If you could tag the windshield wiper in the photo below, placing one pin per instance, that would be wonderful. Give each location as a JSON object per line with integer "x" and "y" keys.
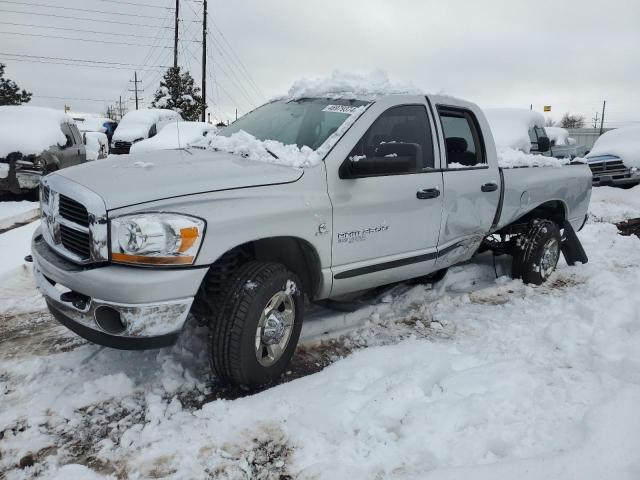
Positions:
{"x": 272, "y": 154}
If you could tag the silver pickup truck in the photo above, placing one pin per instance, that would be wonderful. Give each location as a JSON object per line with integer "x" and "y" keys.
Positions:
{"x": 406, "y": 186}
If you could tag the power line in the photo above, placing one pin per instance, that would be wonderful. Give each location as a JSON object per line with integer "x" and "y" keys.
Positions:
{"x": 77, "y": 39}
{"x": 86, "y": 10}
{"x": 135, "y": 4}
{"x": 80, "y": 60}
{"x": 71, "y": 98}
{"x": 81, "y": 18}
{"x": 68, "y": 64}
{"x": 83, "y": 31}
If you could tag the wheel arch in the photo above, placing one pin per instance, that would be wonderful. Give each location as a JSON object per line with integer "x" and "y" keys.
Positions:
{"x": 555, "y": 210}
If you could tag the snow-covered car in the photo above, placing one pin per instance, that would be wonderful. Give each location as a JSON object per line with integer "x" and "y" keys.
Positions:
{"x": 175, "y": 135}
{"x": 524, "y": 130}
{"x": 35, "y": 141}
{"x": 313, "y": 196}
{"x": 615, "y": 157}
{"x": 138, "y": 125}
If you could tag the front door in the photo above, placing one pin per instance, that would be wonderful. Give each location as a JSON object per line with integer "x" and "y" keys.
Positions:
{"x": 386, "y": 225}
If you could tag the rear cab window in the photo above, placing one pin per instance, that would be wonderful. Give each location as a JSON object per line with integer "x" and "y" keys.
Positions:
{"x": 463, "y": 138}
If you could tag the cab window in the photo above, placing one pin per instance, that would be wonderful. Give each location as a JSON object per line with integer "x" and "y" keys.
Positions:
{"x": 464, "y": 145}
{"x": 401, "y": 138}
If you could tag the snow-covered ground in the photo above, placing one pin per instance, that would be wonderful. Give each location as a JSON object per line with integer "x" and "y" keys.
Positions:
{"x": 12, "y": 212}
{"x": 477, "y": 377}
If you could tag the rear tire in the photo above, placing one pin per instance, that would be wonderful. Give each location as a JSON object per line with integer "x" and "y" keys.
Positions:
{"x": 254, "y": 336}
{"x": 537, "y": 252}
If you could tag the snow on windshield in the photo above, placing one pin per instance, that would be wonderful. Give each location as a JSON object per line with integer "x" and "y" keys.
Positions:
{"x": 175, "y": 135}
{"x": 272, "y": 151}
{"x": 350, "y": 85}
{"x": 622, "y": 142}
{"x": 510, "y": 126}
{"x": 30, "y": 130}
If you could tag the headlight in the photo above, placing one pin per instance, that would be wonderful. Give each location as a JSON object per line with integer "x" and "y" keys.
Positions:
{"x": 156, "y": 239}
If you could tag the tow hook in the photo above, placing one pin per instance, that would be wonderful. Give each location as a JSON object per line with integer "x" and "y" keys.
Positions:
{"x": 76, "y": 299}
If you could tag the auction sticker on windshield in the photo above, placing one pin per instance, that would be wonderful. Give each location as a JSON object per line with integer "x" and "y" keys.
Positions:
{"x": 340, "y": 109}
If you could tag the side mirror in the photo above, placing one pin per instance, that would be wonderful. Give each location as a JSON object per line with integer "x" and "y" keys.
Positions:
{"x": 544, "y": 144}
{"x": 389, "y": 159}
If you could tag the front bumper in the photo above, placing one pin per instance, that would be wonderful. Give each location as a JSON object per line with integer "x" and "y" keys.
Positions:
{"x": 616, "y": 182}
{"x": 92, "y": 301}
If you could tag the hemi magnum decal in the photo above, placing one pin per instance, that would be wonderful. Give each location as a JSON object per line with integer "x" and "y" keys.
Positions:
{"x": 360, "y": 235}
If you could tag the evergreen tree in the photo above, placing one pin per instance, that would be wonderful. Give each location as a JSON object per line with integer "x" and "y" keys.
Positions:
{"x": 10, "y": 93}
{"x": 178, "y": 92}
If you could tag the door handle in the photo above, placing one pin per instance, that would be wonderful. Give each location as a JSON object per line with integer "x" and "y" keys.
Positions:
{"x": 489, "y": 187}
{"x": 428, "y": 193}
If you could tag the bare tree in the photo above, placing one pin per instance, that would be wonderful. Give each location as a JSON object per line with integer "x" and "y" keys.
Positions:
{"x": 549, "y": 122}
{"x": 572, "y": 121}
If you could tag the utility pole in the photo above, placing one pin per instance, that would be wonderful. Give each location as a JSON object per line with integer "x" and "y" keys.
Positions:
{"x": 204, "y": 60}
{"x": 604, "y": 104}
{"x": 175, "y": 36}
{"x": 135, "y": 87}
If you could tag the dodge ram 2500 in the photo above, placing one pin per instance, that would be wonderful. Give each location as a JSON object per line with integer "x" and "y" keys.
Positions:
{"x": 406, "y": 185}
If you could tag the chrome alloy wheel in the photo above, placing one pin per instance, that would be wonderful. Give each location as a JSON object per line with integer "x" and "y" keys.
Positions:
{"x": 550, "y": 257}
{"x": 274, "y": 328}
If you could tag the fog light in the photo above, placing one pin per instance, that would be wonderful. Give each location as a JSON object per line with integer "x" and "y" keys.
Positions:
{"x": 109, "y": 320}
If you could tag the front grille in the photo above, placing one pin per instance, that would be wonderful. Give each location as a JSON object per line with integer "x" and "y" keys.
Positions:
{"x": 613, "y": 168}
{"x": 73, "y": 211}
{"x": 75, "y": 241}
{"x": 121, "y": 145}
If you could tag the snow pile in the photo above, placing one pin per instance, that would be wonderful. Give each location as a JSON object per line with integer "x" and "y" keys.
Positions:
{"x": 510, "y": 126}
{"x": 560, "y": 136}
{"x": 175, "y": 135}
{"x": 30, "y": 130}
{"x": 511, "y": 158}
{"x": 622, "y": 142}
{"x": 349, "y": 85}
{"x": 270, "y": 151}
{"x": 609, "y": 204}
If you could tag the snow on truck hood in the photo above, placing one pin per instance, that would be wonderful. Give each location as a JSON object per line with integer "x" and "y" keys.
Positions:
{"x": 131, "y": 179}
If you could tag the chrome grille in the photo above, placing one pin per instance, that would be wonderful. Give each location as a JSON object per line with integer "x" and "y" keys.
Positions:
{"x": 122, "y": 145}
{"x": 612, "y": 168}
{"x": 75, "y": 241}
{"x": 74, "y": 220}
{"x": 73, "y": 211}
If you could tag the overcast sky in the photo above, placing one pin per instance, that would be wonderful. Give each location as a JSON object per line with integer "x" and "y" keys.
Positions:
{"x": 570, "y": 54}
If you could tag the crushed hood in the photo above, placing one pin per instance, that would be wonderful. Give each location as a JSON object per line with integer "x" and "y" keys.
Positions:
{"x": 125, "y": 180}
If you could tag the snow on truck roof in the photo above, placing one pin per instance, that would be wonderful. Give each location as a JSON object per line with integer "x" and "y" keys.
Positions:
{"x": 30, "y": 130}
{"x": 349, "y": 86}
{"x": 622, "y": 142}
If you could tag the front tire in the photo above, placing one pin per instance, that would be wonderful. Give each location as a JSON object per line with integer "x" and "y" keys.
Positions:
{"x": 255, "y": 335}
{"x": 537, "y": 252}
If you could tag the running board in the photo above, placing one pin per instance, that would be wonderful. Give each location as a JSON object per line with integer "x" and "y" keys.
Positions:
{"x": 571, "y": 247}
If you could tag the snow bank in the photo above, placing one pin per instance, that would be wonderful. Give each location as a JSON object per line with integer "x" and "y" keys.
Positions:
{"x": 510, "y": 158}
{"x": 14, "y": 246}
{"x": 510, "y": 126}
{"x": 349, "y": 85}
{"x": 30, "y": 130}
{"x": 609, "y": 204}
{"x": 560, "y": 136}
{"x": 175, "y": 135}
{"x": 622, "y": 142}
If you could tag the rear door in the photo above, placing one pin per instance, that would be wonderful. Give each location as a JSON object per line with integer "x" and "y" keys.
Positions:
{"x": 471, "y": 187}
{"x": 385, "y": 227}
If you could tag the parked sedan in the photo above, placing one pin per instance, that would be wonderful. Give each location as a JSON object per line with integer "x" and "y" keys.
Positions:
{"x": 615, "y": 157}
{"x": 35, "y": 141}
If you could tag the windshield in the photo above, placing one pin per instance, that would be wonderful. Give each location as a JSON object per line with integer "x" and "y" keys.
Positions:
{"x": 295, "y": 122}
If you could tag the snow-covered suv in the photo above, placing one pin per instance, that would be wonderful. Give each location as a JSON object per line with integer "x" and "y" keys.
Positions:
{"x": 314, "y": 196}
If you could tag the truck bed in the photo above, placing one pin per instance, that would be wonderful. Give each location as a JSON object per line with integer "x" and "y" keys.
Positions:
{"x": 525, "y": 188}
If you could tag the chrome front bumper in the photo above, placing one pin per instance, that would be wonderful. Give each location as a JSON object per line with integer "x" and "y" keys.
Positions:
{"x": 73, "y": 296}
